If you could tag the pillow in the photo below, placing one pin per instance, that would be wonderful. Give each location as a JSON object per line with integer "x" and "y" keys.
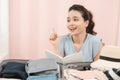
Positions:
{"x": 109, "y": 58}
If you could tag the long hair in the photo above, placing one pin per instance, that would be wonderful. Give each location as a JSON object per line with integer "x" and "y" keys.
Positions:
{"x": 87, "y": 15}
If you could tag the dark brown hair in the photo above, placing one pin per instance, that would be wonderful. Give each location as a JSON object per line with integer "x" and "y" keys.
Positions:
{"x": 87, "y": 15}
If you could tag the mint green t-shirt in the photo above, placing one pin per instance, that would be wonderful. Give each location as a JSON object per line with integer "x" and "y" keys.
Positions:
{"x": 89, "y": 49}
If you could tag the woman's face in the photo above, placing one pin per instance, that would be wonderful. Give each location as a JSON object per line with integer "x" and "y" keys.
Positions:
{"x": 76, "y": 23}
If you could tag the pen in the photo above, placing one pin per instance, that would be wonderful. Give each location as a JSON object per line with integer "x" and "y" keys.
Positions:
{"x": 53, "y": 30}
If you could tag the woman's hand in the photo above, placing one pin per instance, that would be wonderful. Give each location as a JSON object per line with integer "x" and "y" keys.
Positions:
{"x": 54, "y": 40}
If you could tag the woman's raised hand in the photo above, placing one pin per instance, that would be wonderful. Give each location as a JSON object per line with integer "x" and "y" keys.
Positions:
{"x": 53, "y": 38}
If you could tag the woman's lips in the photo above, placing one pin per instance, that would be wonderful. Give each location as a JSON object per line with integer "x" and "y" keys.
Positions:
{"x": 72, "y": 29}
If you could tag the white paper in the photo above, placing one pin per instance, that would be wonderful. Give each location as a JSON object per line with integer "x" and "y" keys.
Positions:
{"x": 75, "y": 57}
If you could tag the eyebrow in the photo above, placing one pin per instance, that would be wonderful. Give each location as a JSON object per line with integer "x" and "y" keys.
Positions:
{"x": 68, "y": 17}
{"x": 73, "y": 17}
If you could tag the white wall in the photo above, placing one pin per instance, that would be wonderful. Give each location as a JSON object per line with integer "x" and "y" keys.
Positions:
{"x": 4, "y": 27}
{"x": 118, "y": 40}
{"x": 32, "y": 20}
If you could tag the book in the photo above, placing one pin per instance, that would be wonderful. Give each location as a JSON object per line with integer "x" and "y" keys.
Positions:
{"x": 75, "y": 57}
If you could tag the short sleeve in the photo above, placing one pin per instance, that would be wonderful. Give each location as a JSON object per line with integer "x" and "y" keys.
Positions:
{"x": 96, "y": 46}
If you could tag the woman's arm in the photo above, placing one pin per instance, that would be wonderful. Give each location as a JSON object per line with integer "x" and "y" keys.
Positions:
{"x": 54, "y": 40}
{"x": 57, "y": 51}
{"x": 98, "y": 54}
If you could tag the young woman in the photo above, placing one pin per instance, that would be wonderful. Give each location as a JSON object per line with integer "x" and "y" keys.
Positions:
{"x": 81, "y": 36}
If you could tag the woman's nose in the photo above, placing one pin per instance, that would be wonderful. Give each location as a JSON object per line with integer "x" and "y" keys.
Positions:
{"x": 71, "y": 23}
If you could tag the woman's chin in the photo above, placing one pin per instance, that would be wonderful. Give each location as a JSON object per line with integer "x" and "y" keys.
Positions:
{"x": 72, "y": 33}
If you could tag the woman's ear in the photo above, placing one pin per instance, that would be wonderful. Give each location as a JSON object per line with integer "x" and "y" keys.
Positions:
{"x": 86, "y": 23}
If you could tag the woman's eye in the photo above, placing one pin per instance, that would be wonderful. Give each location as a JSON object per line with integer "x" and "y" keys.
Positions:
{"x": 68, "y": 20}
{"x": 76, "y": 19}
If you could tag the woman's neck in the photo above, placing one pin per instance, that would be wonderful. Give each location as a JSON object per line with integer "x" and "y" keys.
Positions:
{"x": 80, "y": 38}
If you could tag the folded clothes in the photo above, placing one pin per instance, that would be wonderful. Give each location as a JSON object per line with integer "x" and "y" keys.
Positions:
{"x": 109, "y": 58}
{"x": 9, "y": 79}
{"x": 14, "y": 70}
{"x": 43, "y": 77}
{"x": 99, "y": 75}
{"x": 113, "y": 74}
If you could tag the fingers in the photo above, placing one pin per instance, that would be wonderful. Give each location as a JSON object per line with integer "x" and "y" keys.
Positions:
{"x": 53, "y": 37}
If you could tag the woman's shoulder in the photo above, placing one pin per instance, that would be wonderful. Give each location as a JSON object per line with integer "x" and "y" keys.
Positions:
{"x": 93, "y": 38}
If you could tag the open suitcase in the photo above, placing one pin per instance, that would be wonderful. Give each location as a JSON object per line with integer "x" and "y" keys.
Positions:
{"x": 48, "y": 66}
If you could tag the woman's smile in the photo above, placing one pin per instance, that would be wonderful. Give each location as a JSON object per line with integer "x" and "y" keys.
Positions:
{"x": 72, "y": 29}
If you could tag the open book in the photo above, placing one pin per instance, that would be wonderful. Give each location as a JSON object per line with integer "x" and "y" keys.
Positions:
{"x": 76, "y": 57}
